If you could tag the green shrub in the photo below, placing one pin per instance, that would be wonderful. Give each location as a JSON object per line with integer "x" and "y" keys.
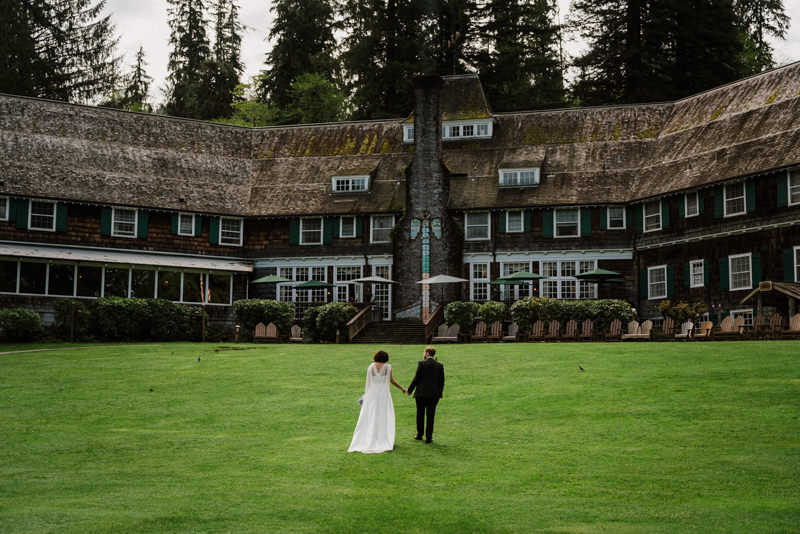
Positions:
{"x": 310, "y": 329}
{"x": 253, "y": 311}
{"x": 681, "y": 311}
{"x": 146, "y": 319}
{"x": 64, "y": 309}
{"x": 461, "y": 313}
{"x": 334, "y": 316}
{"x": 526, "y": 311}
{"x": 492, "y": 311}
{"x": 20, "y": 324}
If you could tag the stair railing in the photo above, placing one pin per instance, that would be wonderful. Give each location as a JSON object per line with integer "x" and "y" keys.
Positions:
{"x": 359, "y": 322}
{"x": 433, "y": 322}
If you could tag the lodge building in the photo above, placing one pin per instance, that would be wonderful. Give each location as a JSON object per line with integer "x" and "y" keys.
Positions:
{"x": 697, "y": 199}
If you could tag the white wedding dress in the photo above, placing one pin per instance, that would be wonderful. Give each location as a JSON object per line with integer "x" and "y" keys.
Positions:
{"x": 375, "y": 428}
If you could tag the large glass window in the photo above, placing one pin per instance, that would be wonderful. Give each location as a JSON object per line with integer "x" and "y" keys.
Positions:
{"x": 519, "y": 177}
{"x": 220, "y": 286}
{"x": 346, "y": 292}
{"x": 143, "y": 284}
{"x": 191, "y": 287}
{"x": 567, "y": 223}
{"x": 794, "y": 186}
{"x": 123, "y": 222}
{"x": 477, "y": 226}
{"x": 479, "y": 282}
{"x": 381, "y": 228}
{"x": 652, "y": 216}
{"x": 587, "y": 290}
{"x": 89, "y": 281}
{"x": 515, "y": 292}
{"x": 740, "y": 272}
{"x": 61, "y": 280}
{"x": 657, "y": 282}
{"x": 43, "y": 215}
{"x": 169, "y": 285}
{"x": 734, "y": 199}
{"x": 616, "y": 218}
{"x": 32, "y": 277}
{"x": 116, "y": 282}
{"x": 8, "y": 276}
{"x": 230, "y": 231}
{"x": 561, "y": 282}
{"x": 696, "y": 273}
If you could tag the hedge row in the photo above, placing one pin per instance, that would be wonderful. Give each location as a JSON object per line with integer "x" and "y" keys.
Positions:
{"x": 526, "y": 311}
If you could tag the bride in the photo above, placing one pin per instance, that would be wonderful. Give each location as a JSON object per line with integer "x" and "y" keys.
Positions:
{"x": 375, "y": 428}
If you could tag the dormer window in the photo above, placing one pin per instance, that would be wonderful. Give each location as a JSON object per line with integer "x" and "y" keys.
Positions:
{"x": 408, "y": 133}
{"x": 350, "y": 184}
{"x": 519, "y": 177}
{"x": 468, "y": 129}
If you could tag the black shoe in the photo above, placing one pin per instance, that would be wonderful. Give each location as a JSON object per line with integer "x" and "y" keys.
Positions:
{"x": 418, "y": 438}
{"x": 428, "y": 441}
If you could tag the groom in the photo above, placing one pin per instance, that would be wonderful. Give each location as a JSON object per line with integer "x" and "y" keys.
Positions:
{"x": 429, "y": 383}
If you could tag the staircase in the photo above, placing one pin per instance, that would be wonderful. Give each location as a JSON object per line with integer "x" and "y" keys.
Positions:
{"x": 402, "y": 332}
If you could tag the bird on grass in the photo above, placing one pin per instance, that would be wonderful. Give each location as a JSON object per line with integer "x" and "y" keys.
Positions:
{"x": 198, "y": 358}
{"x": 61, "y": 386}
{"x": 151, "y": 389}
{"x": 581, "y": 368}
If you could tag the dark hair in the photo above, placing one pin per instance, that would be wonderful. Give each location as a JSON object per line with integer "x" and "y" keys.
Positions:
{"x": 381, "y": 356}
{"x": 431, "y": 351}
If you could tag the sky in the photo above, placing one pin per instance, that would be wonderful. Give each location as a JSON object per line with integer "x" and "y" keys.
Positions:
{"x": 144, "y": 23}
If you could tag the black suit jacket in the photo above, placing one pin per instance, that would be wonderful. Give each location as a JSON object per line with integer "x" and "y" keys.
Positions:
{"x": 428, "y": 380}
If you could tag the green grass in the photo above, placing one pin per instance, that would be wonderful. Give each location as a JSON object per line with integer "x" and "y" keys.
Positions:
{"x": 670, "y": 437}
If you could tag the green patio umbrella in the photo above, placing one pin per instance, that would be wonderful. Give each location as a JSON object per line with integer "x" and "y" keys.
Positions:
{"x": 270, "y": 279}
{"x": 522, "y": 275}
{"x": 598, "y": 276}
{"x": 313, "y": 284}
{"x": 501, "y": 282}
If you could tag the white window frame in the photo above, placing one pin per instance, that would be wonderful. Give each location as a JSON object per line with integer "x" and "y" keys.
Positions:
{"x": 513, "y": 177}
{"x": 747, "y": 313}
{"x": 696, "y": 211}
{"x": 577, "y": 211}
{"x": 408, "y": 133}
{"x": 749, "y": 257}
{"x": 372, "y": 228}
{"x": 561, "y": 282}
{"x": 114, "y": 231}
{"x": 228, "y": 241}
{"x": 467, "y": 226}
{"x": 191, "y": 232}
{"x": 338, "y": 183}
{"x": 482, "y": 281}
{"x": 449, "y": 128}
{"x": 650, "y": 283}
{"x": 645, "y": 216}
{"x": 507, "y": 215}
{"x": 4, "y": 210}
{"x": 341, "y": 226}
{"x": 624, "y": 218}
{"x": 725, "y": 199}
{"x": 692, "y": 265}
{"x": 797, "y": 264}
{"x": 303, "y": 230}
{"x": 30, "y": 215}
{"x": 793, "y": 174}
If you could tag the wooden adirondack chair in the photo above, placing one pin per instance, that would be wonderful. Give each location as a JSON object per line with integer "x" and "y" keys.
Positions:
{"x": 587, "y": 330}
{"x": 614, "y": 331}
{"x": 271, "y": 333}
{"x": 686, "y": 331}
{"x": 537, "y": 331}
{"x": 667, "y": 329}
{"x": 758, "y": 327}
{"x": 513, "y": 328}
{"x": 570, "y": 331}
{"x": 447, "y": 334}
{"x": 296, "y": 334}
{"x": 632, "y": 332}
{"x": 794, "y": 328}
{"x": 705, "y": 331}
{"x": 260, "y": 333}
{"x": 480, "y": 332}
{"x": 775, "y": 326}
{"x": 725, "y": 330}
{"x": 553, "y": 331}
{"x": 495, "y": 331}
{"x": 638, "y": 332}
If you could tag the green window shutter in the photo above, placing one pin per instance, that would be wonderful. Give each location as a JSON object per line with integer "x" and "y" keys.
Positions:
{"x": 706, "y": 272}
{"x": 175, "y": 218}
{"x": 750, "y": 195}
{"x": 61, "y": 217}
{"x": 586, "y": 222}
{"x": 327, "y": 230}
{"x": 294, "y": 232}
{"x": 670, "y": 280}
{"x": 526, "y": 220}
{"x": 788, "y": 265}
{"x": 359, "y": 226}
{"x": 23, "y": 205}
{"x": 682, "y": 206}
{"x": 755, "y": 265}
{"x": 213, "y": 231}
{"x": 198, "y": 226}
{"x": 337, "y": 225}
{"x": 604, "y": 219}
{"x": 547, "y": 223}
{"x": 719, "y": 200}
{"x": 141, "y": 229}
{"x": 501, "y": 221}
{"x": 701, "y": 202}
{"x": 639, "y": 215}
{"x": 687, "y": 276}
{"x": 664, "y": 213}
{"x": 12, "y": 209}
{"x": 783, "y": 190}
{"x": 643, "y": 284}
{"x": 724, "y": 283}
{"x": 105, "y": 220}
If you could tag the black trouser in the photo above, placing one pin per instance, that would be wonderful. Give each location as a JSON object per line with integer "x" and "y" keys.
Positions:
{"x": 426, "y": 406}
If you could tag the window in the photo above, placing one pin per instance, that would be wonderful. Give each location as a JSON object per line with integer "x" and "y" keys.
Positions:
{"x": 514, "y": 221}
{"x": 616, "y": 218}
{"x": 409, "y": 133}
{"x": 61, "y": 279}
{"x": 515, "y": 292}
{"x": 477, "y": 226}
{"x": 692, "y": 207}
{"x": 381, "y": 228}
{"x": 455, "y": 131}
{"x": 169, "y": 285}
{"x": 123, "y": 222}
{"x": 794, "y": 187}
{"x": 350, "y": 184}
{"x": 479, "y": 282}
{"x": 561, "y": 282}
{"x": 311, "y": 231}
{"x": 347, "y": 292}
{"x": 482, "y": 130}
{"x": 468, "y": 130}
{"x": 746, "y": 314}
{"x": 652, "y": 216}
{"x": 519, "y": 177}
{"x": 740, "y": 277}
{"x": 186, "y": 224}
{"x": 230, "y": 231}
{"x": 797, "y": 264}
{"x": 42, "y": 215}
{"x": 734, "y": 199}
{"x": 696, "y": 273}
{"x": 567, "y": 223}
{"x": 3, "y": 208}
{"x": 32, "y": 276}
{"x": 116, "y": 282}
{"x": 587, "y": 290}
{"x": 347, "y": 226}
{"x": 657, "y": 282}
{"x": 143, "y": 283}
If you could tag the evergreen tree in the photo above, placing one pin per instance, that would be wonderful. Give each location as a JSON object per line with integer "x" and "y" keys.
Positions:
{"x": 759, "y": 19}
{"x": 519, "y": 61}
{"x": 135, "y": 87}
{"x": 189, "y": 61}
{"x": 303, "y": 43}
{"x": 226, "y": 67}
{"x": 60, "y": 49}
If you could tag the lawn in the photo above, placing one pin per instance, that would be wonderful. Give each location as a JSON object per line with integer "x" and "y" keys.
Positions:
{"x": 669, "y": 437}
